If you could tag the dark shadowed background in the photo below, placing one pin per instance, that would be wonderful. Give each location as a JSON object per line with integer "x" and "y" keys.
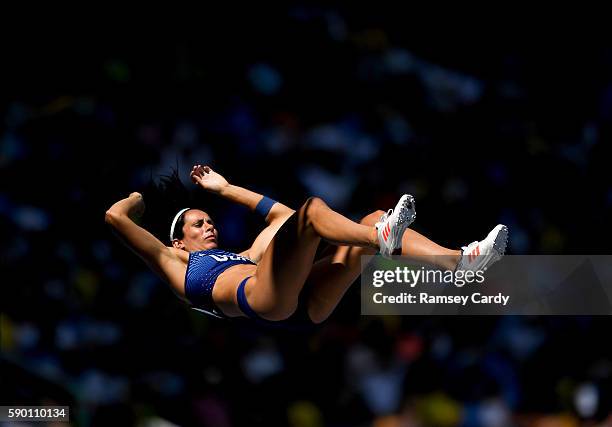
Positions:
{"x": 335, "y": 102}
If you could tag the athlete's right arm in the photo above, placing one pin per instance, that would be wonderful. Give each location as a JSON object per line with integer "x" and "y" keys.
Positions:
{"x": 161, "y": 259}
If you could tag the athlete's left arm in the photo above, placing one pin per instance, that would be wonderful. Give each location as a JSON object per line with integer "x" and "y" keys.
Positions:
{"x": 215, "y": 183}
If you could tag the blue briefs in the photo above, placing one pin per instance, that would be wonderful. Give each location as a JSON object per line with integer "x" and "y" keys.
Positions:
{"x": 298, "y": 320}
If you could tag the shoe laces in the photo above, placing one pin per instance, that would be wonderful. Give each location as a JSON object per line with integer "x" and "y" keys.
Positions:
{"x": 386, "y": 215}
{"x": 465, "y": 248}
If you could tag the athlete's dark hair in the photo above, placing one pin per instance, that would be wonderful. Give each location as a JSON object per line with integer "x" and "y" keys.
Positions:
{"x": 163, "y": 199}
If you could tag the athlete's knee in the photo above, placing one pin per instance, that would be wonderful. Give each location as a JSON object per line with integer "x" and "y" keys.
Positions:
{"x": 318, "y": 316}
{"x": 311, "y": 208}
{"x": 372, "y": 218}
{"x": 314, "y": 204}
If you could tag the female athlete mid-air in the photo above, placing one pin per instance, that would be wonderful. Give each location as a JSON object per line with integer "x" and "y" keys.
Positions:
{"x": 278, "y": 280}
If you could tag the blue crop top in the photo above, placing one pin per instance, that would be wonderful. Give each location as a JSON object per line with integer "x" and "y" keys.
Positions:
{"x": 203, "y": 269}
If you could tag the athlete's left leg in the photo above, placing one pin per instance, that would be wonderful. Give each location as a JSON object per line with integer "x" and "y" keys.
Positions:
{"x": 332, "y": 275}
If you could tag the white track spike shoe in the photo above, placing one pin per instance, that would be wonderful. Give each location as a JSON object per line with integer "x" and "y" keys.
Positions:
{"x": 392, "y": 225}
{"x": 482, "y": 255}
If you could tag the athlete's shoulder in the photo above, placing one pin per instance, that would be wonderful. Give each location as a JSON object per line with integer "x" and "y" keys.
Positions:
{"x": 179, "y": 253}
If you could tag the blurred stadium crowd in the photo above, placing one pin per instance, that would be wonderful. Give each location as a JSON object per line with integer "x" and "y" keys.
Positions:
{"x": 309, "y": 101}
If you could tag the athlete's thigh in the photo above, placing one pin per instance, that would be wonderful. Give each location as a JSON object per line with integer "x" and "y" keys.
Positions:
{"x": 333, "y": 274}
{"x": 329, "y": 280}
{"x": 284, "y": 267}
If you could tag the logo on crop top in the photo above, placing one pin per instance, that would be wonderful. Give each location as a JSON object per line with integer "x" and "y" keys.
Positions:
{"x": 225, "y": 258}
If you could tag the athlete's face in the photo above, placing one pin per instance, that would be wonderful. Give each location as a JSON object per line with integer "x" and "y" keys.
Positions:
{"x": 199, "y": 232}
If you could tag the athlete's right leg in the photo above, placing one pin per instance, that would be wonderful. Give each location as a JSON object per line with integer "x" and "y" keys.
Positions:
{"x": 416, "y": 247}
{"x": 332, "y": 275}
{"x": 288, "y": 260}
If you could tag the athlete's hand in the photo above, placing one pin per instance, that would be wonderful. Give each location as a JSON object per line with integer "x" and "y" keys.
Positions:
{"x": 208, "y": 179}
{"x": 137, "y": 206}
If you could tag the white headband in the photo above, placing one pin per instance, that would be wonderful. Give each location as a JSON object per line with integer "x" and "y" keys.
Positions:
{"x": 176, "y": 217}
